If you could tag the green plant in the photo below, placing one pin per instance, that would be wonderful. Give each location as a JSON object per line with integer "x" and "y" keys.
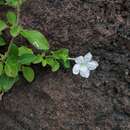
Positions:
{"x": 17, "y": 58}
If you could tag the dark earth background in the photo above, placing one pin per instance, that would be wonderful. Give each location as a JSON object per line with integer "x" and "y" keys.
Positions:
{"x": 62, "y": 101}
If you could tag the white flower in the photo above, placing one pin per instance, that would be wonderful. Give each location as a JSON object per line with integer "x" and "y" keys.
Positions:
{"x": 84, "y": 65}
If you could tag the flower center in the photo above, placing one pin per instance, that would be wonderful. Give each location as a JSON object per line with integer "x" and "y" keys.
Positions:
{"x": 82, "y": 65}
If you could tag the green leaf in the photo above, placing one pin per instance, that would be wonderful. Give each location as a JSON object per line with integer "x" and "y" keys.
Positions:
{"x": 14, "y": 3}
{"x": 66, "y": 64}
{"x": 1, "y": 68}
{"x": 11, "y": 65}
{"x": 3, "y": 25}
{"x": 12, "y": 18}
{"x": 28, "y": 73}
{"x": 2, "y": 2}
{"x": 36, "y": 39}
{"x": 13, "y": 51}
{"x": 6, "y": 83}
{"x": 27, "y": 59}
{"x": 61, "y": 54}
{"x": 2, "y": 41}
{"x": 44, "y": 62}
{"x": 15, "y": 30}
{"x": 38, "y": 59}
{"x": 24, "y": 50}
{"x": 53, "y": 63}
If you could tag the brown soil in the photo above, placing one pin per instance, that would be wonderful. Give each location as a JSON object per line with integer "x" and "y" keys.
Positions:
{"x": 61, "y": 101}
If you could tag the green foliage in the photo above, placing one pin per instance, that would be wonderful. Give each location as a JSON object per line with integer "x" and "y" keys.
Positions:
{"x": 11, "y": 65}
{"x": 3, "y": 25}
{"x": 38, "y": 59}
{"x": 28, "y": 73}
{"x": 6, "y": 82}
{"x": 2, "y": 41}
{"x": 2, "y": 2}
{"x": 1, "y": 68}
{"x": 18, "y": 57}
{"x": 62, "y": 55}
{"x": 44, "y": 62}
{"x": 11, "y": 18}
{"x": 11, "y": 68}
{"x": 24, "y": 50}
{"x": 26, "y": 59}
{"x": 14, "y": 3}
{"x": 15, "y": 30}
{"x": 53, "y": 63}
{"x": 36, "y": 39}
{"x": 66, "y": 64}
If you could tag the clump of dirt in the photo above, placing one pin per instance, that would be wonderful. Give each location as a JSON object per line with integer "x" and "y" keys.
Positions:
{"x": 61, "y": 101}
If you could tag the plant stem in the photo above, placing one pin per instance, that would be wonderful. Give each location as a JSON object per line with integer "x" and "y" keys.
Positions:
{"x": 1, "y": 95}
{"x": 18, "y": 14}
{"x": 71, "y": 59}
{"x": 9, "y": 48}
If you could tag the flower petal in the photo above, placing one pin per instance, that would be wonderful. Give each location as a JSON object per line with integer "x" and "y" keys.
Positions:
{"x": 79, "y": 60}
{"x": 76, "y": 69}
{"x": 92, "y": 65}
{"x": 85, "y": 73}
{"x": 88, "y": 57}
